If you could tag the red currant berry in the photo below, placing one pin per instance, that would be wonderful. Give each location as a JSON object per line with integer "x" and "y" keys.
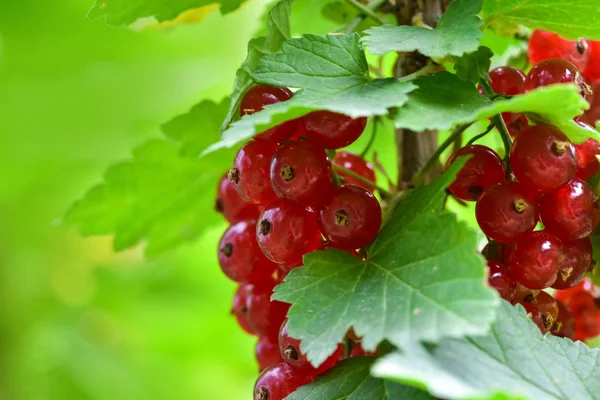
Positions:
{"x": 522, "y": 293}
{"x": 332, "y": 130}
{"x": 537, "y": 259}
{"x": 507, "y": 80}
{"x": 570, "y": 212}
{"x": 262, "y": 95}
{"x": 544, "y": 45}
{"x": 301, "y": 171}
{"x": 356, "y": 164}
{"x": 592, "y": 70}
{"x": 350, "y": 217}
{"x": 578, "y": 262}
{"x": 240, "y": 257}
{"x": 552, "y": 71}
{"x": 587, "y": 324}
{"x": 279, "y": 381}
{"x": 287, "y": 231}
{"x": 230, "y": 204}
{"x": 240, "y": 309}
{"x": 499, "y": 278}
{"x": 565, "y": 324}
{"x": 483, "y": 169}
{"x": 543, "y": 158}
{"x": 289, "y": 349}
{"x": 265, "y": 316}
{"x": 250, "y": 172}
{"x": 587, "y": 161}
{"x": 267, "y": 352}
{"x": 547, "y": 305}
{"x": 592, "y": 115}
{"x": 505, "y": 211}
{"x": 536, "y": 316}
{"x": 515, "y": 123}
{"x": 570, "y": 296}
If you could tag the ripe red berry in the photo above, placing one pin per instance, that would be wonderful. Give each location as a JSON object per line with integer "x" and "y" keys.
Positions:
{"x": 356, "y": 164}
{"x": 350, "y": 217}
{"x": 358, "y": 351}
{"x": 262, "y": 95}
{"x": 240, "y": 257}
{"x": 240, "y": 309}
{"x": 515, "y": 123}
{"x": 267, "y": 352}
{"x": 565, "y": 323}
{"x": 547, "y": 306}
{"x": 536, "y": 316}
{"x": 506, "y": 210}
{"x": 587, "y": 324}
{"x": 332, "y": 130}
{"x": 279, "y": 381}
{"x": 250, "y": 172}
{"x": 543, "y": 158}
{"x": 570, "y": 212}
{"x": 499, "y": 278}
{"x": 572, "y": 296}
{"x": 507, "y": 80}
{"x": 289, "y": 349}
{"x": 287, "y": 231}
{"x": 592, "y": 115}
{"x": 544, "y": 45}
{"x": 537, "y": 259}
{"x": 482, "y": 170}
{"x": 552, "y": 71}
{"x": 578, "y": 262}
{"x": 587, "y": 161}
{"x": 265, "y": 316}
{"x": 230, "y": 204}
{"x": 592, "y": 70}
{"x": 301, "y": 171}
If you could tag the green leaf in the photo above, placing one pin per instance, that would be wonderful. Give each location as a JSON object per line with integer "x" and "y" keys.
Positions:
{"x": 350, "y": 380}
{"x": 278, "y": 31}
{"x": 332, "y": 72}
{"x": 570, "y": 18}
{"x": 513, "y": 361}
{"x": 443, "y": 101}
{"x": 125, "y": 12}
{"x": 342, "y": 13}
{"x": 457, "y": 33}
{"x": 474, "y": 66}
{"x": 422, "y": 279}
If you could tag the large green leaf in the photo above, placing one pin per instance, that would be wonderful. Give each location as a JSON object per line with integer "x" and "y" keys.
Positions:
{"x": 332, "y": 72}
{"x": 278, "y": 31}
{"x": 474, "y": 66}
{"x": 443, "y": 101}
{"x": 513, "y": 361}
{"x": 350, "y": 380}
{"x": 124, "y": 12}
{"x": 457, "y": 33}
{"x": 422, "y": 279}
{"x": 570, "y": 18}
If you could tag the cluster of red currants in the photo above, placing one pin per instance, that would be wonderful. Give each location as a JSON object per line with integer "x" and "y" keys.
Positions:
{"x": 284, "y": 199}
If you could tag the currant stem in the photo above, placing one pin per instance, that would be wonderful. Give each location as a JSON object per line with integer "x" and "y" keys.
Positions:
{"x": 368, "y": 10}
{"x": 477, "y": 137}
{"x": 372, "y": 138}
{"x": 345, "y": 171}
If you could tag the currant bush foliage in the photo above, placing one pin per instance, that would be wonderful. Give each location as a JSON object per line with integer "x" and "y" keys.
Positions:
{"x": 518, "y": 362}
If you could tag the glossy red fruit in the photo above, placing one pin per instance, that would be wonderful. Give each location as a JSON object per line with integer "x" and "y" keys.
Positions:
{"x": 587, "y": 324}
{"x": 537, "y": 259}
{"x": 522, "y": 293}
{"x": 240, "y": 309}
{"x": 547, "y": 305}
{"x": 578, "y": 262}
{"x": 543, "y": 158}
{"x": 289, "y": 349}
{"x": 507, "y": 80}
{"x": 570, "y": 296}
{"x": 250, "y": 172}
{"x": 536, "y": 316}
{"x": 287, "y": 231}
{"x": 515, "y": 123}
{"x": 358, "y": 165}
{"x": 570, "y": 212}
{"x": 544, "y": 45}
{"x": 587, "y": 161}
{"x": 230, "y": 204}
{"x": 267, "y": 352}
{"x": 592, "y": 70}
{"x": 279, "y": 381}
{"x": 483, "y": 169}
{"x": 332, "y": 130}
{"x": 565, "y": 324}
{"x": 265, "y": 316}
{"x": 359, "y": 351}
{"x": 500, "y": 278}
{"x": 301, "y": 172}
{"x": 506, "y": 210}
{"x": 262, "y": 95}
{"x": 592, "y": 115}
{"x": 350, "y": 217}
{"x": 552, "y": 71}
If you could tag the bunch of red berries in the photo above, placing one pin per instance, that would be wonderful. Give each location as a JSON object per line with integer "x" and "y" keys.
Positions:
{"x": 284, "y": 200}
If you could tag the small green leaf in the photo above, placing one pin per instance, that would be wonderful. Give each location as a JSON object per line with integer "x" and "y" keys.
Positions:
{"x": 457, "y": 33}
{"x": 474, "y": 66}
{"x": 513, "y": 361}
{"x": 350, "y": 380}
{"x": 443, "y": 101}
{"x": 570, "y": 18}
{"x": 125, "y": 12}
{"x": 423, "y": 279}
{"x": 278, "y": 31}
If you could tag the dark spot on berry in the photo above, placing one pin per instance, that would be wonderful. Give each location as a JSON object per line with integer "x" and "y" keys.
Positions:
{"x": 261, "y": 394}
{"x": 234, "y": 175}
{"x": 559, "y": 147}
{"x": 530, "y": 298}
{"x": 581, "y": 46}
{"x": 287, "y": 173}
{"x": 547, "y": 321}
{"x": 227, "y": 249}
{"x": 244, "y": 309}
{"x": 520, "y": 205}
{"x": 265, "y": 227}
{"x": 290, "y": 353}
{"x": 341, "y": 217}
{"x": 597, "y": 301}
{"x": 219, "y": 206}
{"x": 475, "y": 192}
